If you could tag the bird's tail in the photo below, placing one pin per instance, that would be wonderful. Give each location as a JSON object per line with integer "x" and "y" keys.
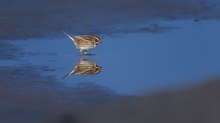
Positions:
{"x": 68, "y": 36}
{"x": 67, "y": 75}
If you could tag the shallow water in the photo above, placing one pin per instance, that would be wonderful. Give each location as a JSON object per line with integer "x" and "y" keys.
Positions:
{"x": 131, "y": 63}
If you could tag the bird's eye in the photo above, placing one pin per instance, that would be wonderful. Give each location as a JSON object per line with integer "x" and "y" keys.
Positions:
{"x": 97, "y": 40}
{"x": 98, "y": 70}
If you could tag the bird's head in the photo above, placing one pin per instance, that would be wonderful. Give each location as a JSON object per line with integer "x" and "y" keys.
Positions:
{"x": 97, "y": 39}
{"x": 98, "y": 69}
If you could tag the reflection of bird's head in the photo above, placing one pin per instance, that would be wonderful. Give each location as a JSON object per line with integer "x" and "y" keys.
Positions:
{"x": 97, "y": 39}
{"x": 98, "y": 69}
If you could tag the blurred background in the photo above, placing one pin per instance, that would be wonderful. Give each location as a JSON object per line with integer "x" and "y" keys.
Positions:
{"x": 159, "y": 61}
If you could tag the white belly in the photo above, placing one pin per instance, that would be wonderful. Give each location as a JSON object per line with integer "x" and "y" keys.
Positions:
{"x": 85, "y": 48}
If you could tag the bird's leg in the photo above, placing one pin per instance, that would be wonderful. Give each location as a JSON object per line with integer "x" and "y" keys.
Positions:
{"x": 85, "y": 58}
{"x": 85, "y": 52}
{"x": 81, "y": 52}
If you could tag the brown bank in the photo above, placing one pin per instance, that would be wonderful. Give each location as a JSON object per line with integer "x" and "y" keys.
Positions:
{"x": 193, "y": 105}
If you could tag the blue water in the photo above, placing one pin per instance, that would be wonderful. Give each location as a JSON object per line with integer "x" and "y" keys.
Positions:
{"x": 132, "y": 63}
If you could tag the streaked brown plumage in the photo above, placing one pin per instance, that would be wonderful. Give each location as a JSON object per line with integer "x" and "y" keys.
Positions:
{"x": 85, "y": 42}
{"x": 85, "y": 67}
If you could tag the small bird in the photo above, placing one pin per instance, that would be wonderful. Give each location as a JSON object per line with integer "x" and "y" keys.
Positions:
{"x": 85, "y": 67}
{"x": 85, "y": 42}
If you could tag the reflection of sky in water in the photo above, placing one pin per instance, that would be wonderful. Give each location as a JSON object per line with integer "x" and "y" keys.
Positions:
{"x": 134, "y": 63}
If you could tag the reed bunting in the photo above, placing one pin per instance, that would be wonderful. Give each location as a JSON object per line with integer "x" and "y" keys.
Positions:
{"x": 85, "y": 67}
{"x": 85, "y": 42}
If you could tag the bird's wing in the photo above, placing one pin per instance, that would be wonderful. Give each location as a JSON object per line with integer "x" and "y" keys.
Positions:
{"x": 83, "y": 40}
{"x": 83, "y": 71}
{"x": 88, "y": 37}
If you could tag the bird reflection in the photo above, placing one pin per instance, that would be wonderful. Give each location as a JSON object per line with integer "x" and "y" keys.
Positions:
{"x": 85, "y": 67}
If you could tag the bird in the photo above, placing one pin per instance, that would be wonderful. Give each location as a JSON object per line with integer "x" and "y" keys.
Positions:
{"x": 84, "y": 42}
{"x": 85, "y": 67}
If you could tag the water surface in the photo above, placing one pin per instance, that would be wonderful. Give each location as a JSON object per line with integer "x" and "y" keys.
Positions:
{"x": 132, "y": 62}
